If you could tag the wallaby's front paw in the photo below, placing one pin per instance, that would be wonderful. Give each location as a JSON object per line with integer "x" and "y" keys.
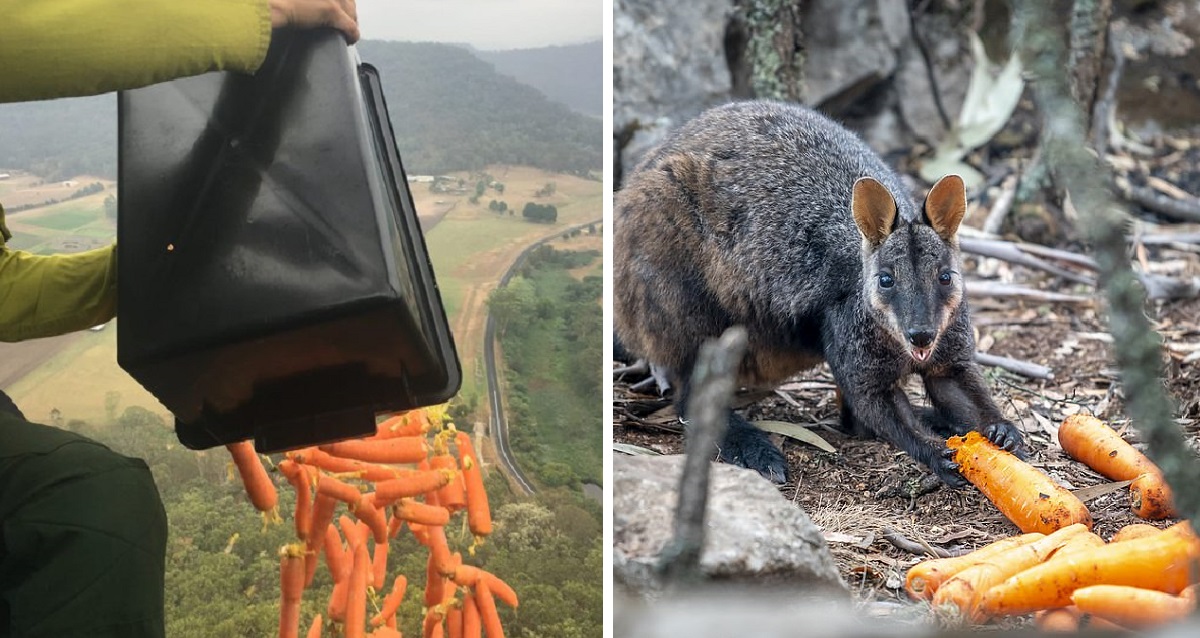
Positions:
{"x": 945, "y": 468}
{"x": 749, "y": 447}
{"x": 1008, "y": 437}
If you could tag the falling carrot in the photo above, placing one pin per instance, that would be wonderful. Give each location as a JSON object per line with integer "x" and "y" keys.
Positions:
{"x": 258, "y": 484}
{"x": 411, "y": 423}
{"x": 291, "y": 586}
{"x": 338, "y": 600}
{"x": 1021, "y": 492}
{"x": 391, "y": 603}
{"x": 454, "y": 622}
{"x": 379, "y": 565}
{"x": 298, "y": 476}
{"x": 435, "y": 583}
{"x": 439, "y": 550}
{"x": 466, "y": 575}
{"x": 960, "y": 594}
{"x": 500, "y": 589}
{"x": 385, "y": 632}
{"x": 487, "y": 611}
{"x": 316, "y": 458}
{"x": 1090, "y": 441}
{"x": 1132, "y": 607}
{"x": 323, "y": 507}
{"x": 452, "y": 495}
{"x": 432, "y": 627}
{"x": 366, "y": 511}
{"x": 394, "y": 525}
{"x": 356, "y": 598}
{"x": 472, "y": 626}
{"x": 314, "y": 630}
{"x": 335, "y": 554}
{"x": 924, "y": 578}
{"x": 479, "y": 517}
{"x": 416, "y": 512}
{"x": 415, "y": 484}
{"x": 339, "y": 490}
{"x": 395, "y": 450}
{"x": 1163, "y": 562}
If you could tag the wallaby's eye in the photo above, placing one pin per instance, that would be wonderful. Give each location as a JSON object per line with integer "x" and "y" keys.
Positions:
{"x": 886, "y": 281}
{"x": 945, "y": 278}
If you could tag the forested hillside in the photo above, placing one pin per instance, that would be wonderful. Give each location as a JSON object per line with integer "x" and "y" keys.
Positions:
{"x": 566, "y": 73}
{"x": 451, "y": 111}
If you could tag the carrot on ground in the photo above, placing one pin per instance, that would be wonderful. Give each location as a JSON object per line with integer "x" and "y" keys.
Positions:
{"x": 472, "y": 627}
{"x": 924, "y": 578}
{"x": 356, "y": 597}
{"x": 1021, "y": 492}
{"x": 1057, "y": 620}
{"x": 1132, "y": 607}
{"x": 1163, "y": 561}
{"x": 1134, "y": 530}
{"x": 479, "y": 517}
{"x": 258, "y": 484}
{"x": 488, "y": 615}
{"x": 1090, "y": 441}
{"x": 291, "y": 586}
{"x": 391, "y": 603}
{"x": 960, "y": 594}
{"x": 397, "y": 450}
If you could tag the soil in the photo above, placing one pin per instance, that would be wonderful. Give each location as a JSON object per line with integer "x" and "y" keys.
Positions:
{"x": 868, "y": 485}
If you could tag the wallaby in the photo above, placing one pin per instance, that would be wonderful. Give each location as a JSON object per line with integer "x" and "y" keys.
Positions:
{"x": 771, "y": 216}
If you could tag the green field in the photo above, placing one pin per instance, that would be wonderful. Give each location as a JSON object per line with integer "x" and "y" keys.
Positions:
{"x": 64, "y": 219}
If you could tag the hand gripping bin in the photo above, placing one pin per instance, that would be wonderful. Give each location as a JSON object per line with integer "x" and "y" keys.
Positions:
{"x": 273, "y": 280}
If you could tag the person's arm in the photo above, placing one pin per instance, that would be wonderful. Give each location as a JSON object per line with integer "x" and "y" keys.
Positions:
{"x": 47, "y": 295}
{"x": 60, "y": 48}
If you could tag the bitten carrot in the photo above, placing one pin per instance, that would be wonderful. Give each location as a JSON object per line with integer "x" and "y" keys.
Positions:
{"x": 1132, "y": 531}
{"x": 452, "y": 495}
{"x": 1163, "y": 562}
{"x": 291, "y": 586}
{"x": 1058, "y": 620}
{"x": 488, "y": 615}
{"x": 479, "y": 517}
{"x": 314, "y": 630}
{"x": 1090, "y": 441}
{"x": 391, "y": 602}
{"x": 472, "y": 626}
{"x": 323, "y": 507}
{"x": 960, "y": 594}
{"x": 924, "y": 578}
{"x": 397, "y": 450}
{"x": 379, "y": 565}
{"x": 1131, "y": 606}
{"x": 415, "y": 484}
{"x": 258, "y": 484}
{"x": 416, "y": 512}
{"x": 356, "y": 598}
{"x": 1020, "y": 491}
{"x": 298, "y": 476}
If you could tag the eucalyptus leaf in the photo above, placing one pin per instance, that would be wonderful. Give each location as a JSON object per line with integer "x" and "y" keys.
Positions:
{"x": 990, "y": 101}
{"x": 798, "y": 432}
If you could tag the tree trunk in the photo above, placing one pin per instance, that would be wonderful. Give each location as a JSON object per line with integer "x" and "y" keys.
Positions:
{"x": 764, "y": 46}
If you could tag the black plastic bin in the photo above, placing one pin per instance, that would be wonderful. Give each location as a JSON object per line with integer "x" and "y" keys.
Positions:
{"x": 273, "y": 281}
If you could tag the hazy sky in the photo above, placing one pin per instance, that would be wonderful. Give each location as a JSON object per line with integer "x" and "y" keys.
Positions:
{"x": 485, "y": 24}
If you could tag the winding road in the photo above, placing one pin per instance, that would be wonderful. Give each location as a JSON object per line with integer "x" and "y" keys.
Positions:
{"x": 499, "y": 424}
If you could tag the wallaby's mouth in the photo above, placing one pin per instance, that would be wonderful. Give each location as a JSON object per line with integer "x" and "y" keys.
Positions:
{"x": 921, "y": 354}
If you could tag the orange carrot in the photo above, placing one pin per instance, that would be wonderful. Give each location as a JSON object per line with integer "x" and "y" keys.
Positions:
{"x": 1090, "y": 441}
{"x": 439, "y": 550}
{"x": 466, "y": 575}
{"x": 350, "y": 531}
{"x": 479, "y": 517}
{"x": 419, "y": 531}
{"x": 322, "y": 516}
{"x": 1020, "y": 491}
{"x": 314, "y": 630}
{"x": 373, "y": 516}
{"x": 356, "y": 598}
{"x": 391, "y": 602}
{"x": 397, "y": 450}
{"x": 472, "y": 627}
{"x": 291, "y": 586}
{"x": 500, "y": 589}
{"x": 1131, "y": 606}
{"x": 385, "y": 632}
{"x": 432, "y": 627}
{"x": 1058, "y": 620}
{"x": 336, "y": 609}
{"x": 411, "y": 423}
{"x": 1078, "y": 543}
{"x": 1162, "y": 562}
{"x": 1132, "y": 531}
{"x": 452, "y": 495}
{"x": 335, "y": 555}
{"x": 960, "y": 594}
{"x": 298, "y": 476}
{"x": 367, "y": 471}
{"x": 394, "y": 525}
{"x": 435, "y": 583}
{"x": 258, "y": 485}
{"x": 379, "y": 565}
{"x": 924, "y": 578}
{"x": 487, "y": 611}
{"x": 416, "y": 484}
{"x": 340, "y": 490}
{"x": 454, "y": 622}
{"x": 415, "y": 512}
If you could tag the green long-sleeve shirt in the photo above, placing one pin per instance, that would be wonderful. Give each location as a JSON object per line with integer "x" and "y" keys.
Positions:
{"x": 61, "y": 48}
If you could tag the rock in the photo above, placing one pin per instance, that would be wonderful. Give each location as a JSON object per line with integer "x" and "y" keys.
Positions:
{"x": 668, "y": 65}
{"x": 850, "y": 47}
{"x": 754, "y": 535}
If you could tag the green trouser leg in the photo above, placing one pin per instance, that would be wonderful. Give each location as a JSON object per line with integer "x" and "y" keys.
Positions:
{"x": 82, "y": 537}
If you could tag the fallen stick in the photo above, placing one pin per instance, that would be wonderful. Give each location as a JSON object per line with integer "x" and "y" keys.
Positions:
{"x": 1013, "y": 253}
{"x": 904, "y": 544}
{"x": 994, "y": 289}
{"x": 1016, "y": 366}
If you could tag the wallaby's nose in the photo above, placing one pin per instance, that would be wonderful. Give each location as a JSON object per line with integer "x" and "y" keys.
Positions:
{"x": 920, "y": 338}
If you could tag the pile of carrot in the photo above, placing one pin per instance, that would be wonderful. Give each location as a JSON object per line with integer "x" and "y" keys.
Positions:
{"x": 403, "y": 476}
{"x": 1059, "y": 569}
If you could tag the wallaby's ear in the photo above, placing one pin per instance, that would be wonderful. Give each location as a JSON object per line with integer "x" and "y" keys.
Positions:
{"x": 874, "y": 209}
{"x": 946, "y": 205}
